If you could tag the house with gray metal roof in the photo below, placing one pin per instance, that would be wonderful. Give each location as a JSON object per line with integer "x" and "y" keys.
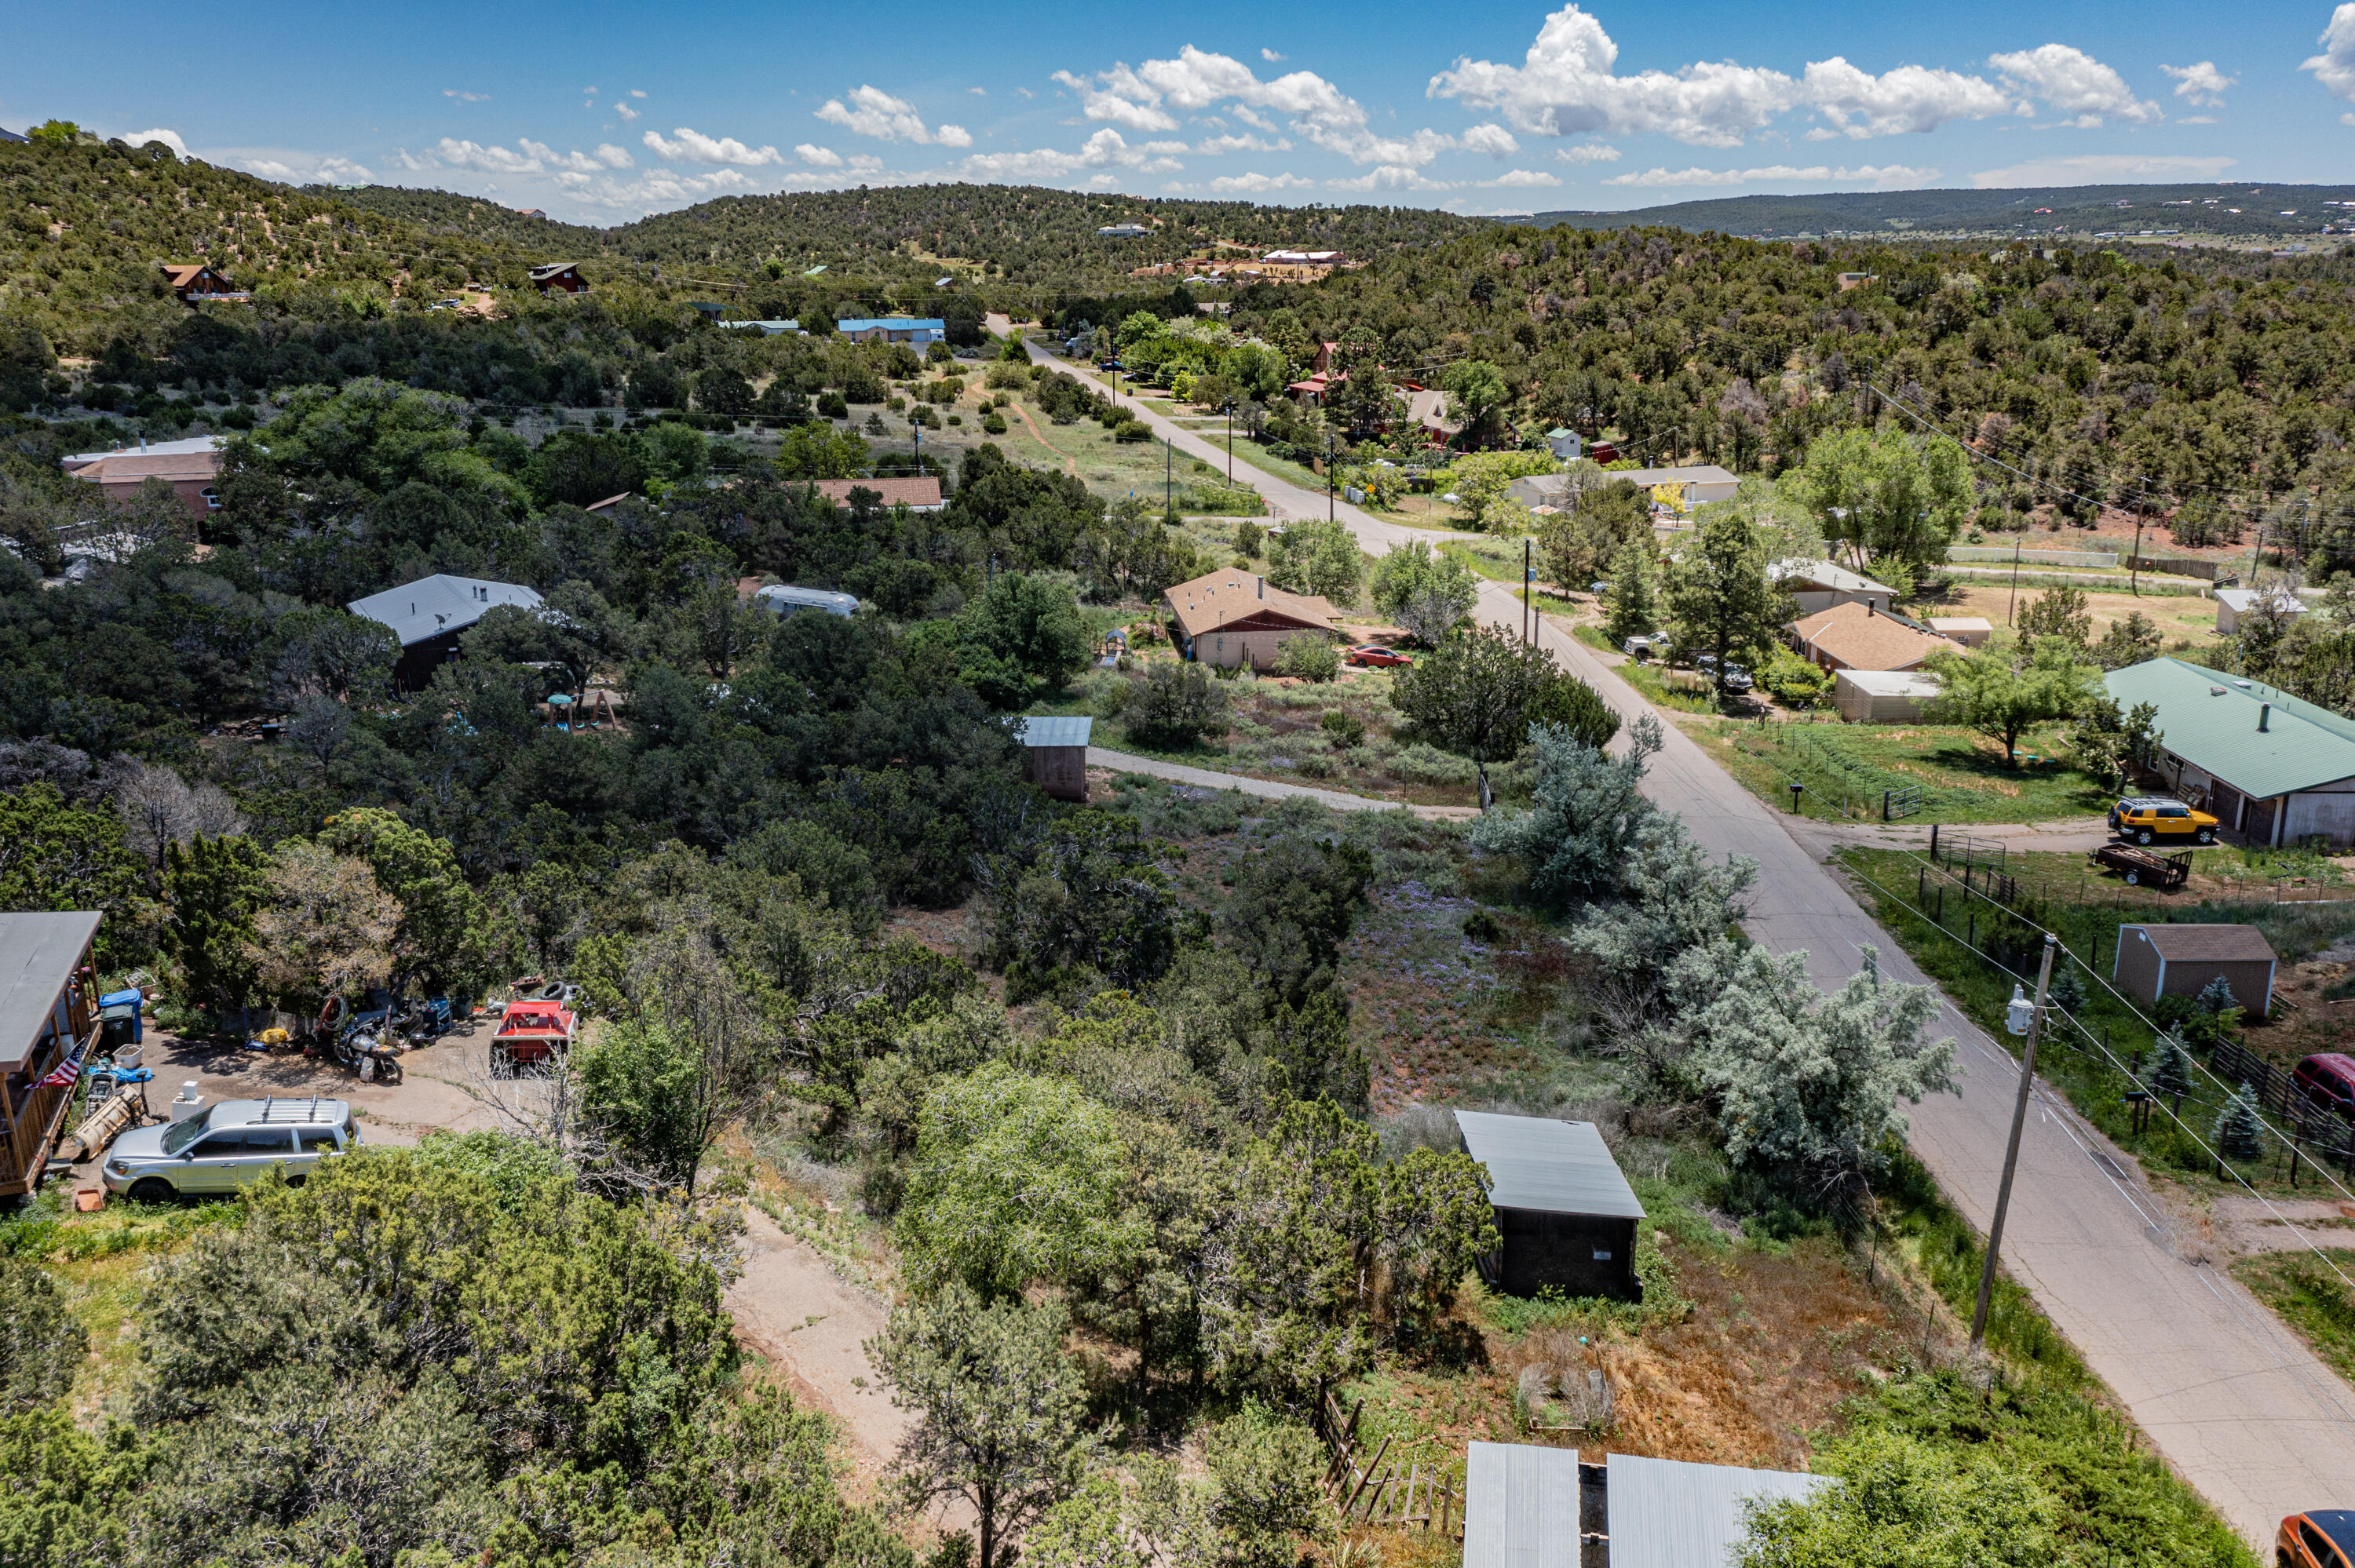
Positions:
{"x": 428, "y": 616}
{"x": 1565, "y": 1215}
{"x": 1055, "y": 754}
{"x": 2268, "y": 766}
{"x": 785, "y": 599}
{"x": 1531, "y": 1506}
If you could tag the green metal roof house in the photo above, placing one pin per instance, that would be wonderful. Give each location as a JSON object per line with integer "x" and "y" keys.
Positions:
{"x": 2271, "y": 766}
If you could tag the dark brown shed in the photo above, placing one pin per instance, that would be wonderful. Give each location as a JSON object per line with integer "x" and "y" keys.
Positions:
{"x": 2158, "y": 960}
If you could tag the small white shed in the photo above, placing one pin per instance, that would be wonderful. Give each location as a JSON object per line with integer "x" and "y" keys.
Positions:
{"x": 2232, "y": 603}
{"x": 1882, "y": 697}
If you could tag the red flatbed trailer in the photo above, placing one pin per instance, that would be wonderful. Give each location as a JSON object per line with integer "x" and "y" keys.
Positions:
{"x": 533, "y": 1037}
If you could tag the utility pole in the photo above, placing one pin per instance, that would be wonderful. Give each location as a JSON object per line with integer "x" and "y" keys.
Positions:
{"x": 2014, "y": 600}
{"x": 1231, "y": 443}
{"x": 1168, "y": 477}
{"x": 1328, "y": 478}
{"x": 2031, "y": 1026}
{"x": 2134, "y": 562}
{"x": 1527, "y": 574}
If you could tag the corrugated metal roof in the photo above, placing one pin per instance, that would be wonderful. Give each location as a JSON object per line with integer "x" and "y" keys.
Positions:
{"x": 1551, "y": 1167}
{"x": 431, "y": 606}
{"x": 1891, "y": 683}
{"x": 1521, "y": 1507}
{"x": 896, "y": 323}
{"x": 1667, "y": 1514}
{"x": 2210, "y": 719}
{"x": 1823, "y": 574}
{"x": 1056, "y": 731}
{"x": 38, "y": 955}
{"x": 785, "y": 597}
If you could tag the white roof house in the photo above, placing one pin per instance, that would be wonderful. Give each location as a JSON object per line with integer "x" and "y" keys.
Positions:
{"x": 1883, "y": 696}
{"x": 1700, "y": 483}
{"x": 2232, "y": 603}
{"x": 432, "y": 607}
{"x": 1817, "y": 585}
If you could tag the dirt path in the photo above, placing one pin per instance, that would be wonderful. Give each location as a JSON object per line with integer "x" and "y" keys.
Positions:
{"x": 1037, "y": 434}
{"x": 1266, "y": 788}
{"x": 812, "y": 1324}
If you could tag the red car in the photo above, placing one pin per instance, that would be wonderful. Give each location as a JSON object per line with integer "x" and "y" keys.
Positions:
{"x": 2328, "y": 1079}
{"x": 1375, "y": 656}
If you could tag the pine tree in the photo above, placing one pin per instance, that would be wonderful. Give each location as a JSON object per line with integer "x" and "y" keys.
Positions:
{"x": 2170, "y": 1069}
{"x": 2217, "y": 996}
{"x": 2240, "y": 1129}
{"x": 2068, "y": 992}
{"x": 1630, "y": 607}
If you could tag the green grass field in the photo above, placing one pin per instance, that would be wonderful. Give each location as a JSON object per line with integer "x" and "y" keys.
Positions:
{"x": 1962, "y": 776}
{"x": 2084, "y": 909}
{"x": 2306, "y": 1294}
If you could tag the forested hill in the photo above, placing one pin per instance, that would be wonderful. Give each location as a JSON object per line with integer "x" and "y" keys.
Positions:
{"x": 2253, "y": 210}
{"x": 1028, "y": 235}
{"x": 445, "y": 213}
{"x": 2212, "y": 378}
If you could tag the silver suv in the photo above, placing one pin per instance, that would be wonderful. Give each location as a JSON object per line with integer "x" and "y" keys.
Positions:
{"x": 227, "y": 1145}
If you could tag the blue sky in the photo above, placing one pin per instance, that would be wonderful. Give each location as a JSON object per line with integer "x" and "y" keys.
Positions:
{"x": 599, "y": 112}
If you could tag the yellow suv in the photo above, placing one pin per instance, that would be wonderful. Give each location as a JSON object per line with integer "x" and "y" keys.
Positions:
{"x": 2149, "y": 817}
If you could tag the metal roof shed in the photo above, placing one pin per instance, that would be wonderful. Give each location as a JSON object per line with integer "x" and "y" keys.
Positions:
{"x": 1668, "y": 1514}
{"x": 428, "y": 615}
{"x": 785, "y": 598}
{"x": 48, "y": 1011}
{"x": 1565, "y": 1214}
{"x": 1055, "y": 754}
{"x": 1521, "y": 1507}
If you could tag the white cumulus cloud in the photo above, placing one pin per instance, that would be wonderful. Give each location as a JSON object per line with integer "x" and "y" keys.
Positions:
{"x": 2075, "y": 84}
{"x": 818, "y": 157}
{"x": 626, "y": 112}
{"x": 270, "y": 169}
{"x": 2202, "y": 85}
{"x": 872, "y": 112}
{"x": 607, "y": 157}
{"x": 1588, "y": 152}
{"x": 1390, "y": 177}
{"x": 1105, "y": 150}
{"x": 1143, "y": 98}
{"x": 1887, "y": 176}
{"x": 169, "y": 138}
{"x": 1270, "y": 56}
{"x": 686, "y": 145}
{"x": 2334, "y": 68}
{"x": 1493, "y": 140}
{"x": 1909, "y": 97}
{"x": 342, "y": 171}
{"x": 491, "y": 160}
{"x": 1513, "y": 178}
{"x": 1567, "y": 83}
{"x": 1258, "y": 185}
{"x": 2095, "y": 168}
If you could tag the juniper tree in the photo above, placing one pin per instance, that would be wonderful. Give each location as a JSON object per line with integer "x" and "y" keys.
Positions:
{"x": 1573, "y": 842}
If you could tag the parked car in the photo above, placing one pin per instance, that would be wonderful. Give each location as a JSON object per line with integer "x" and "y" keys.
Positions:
{"x": 2318, "y": 1538}
{"x": 1375, "y": 656}
{"x": 2329, "y": 1078}
{"x": 2144, "y": 818}
{"x": 1644, "y": 645}
{"x": 1734, "y": 678}
{"x": 227, "y": 1145}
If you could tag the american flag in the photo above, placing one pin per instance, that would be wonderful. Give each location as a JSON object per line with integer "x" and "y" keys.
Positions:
{"x": 66, "y": 1072}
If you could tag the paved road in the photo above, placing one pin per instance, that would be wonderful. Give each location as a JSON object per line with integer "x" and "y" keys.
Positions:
{"x": 2236, "y": 1403}
{"x": 2233, "y": 1399}
{"x": 1266, "y": 788}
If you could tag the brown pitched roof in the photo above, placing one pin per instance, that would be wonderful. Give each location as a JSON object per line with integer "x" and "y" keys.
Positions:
{"x": 130, "y": 468}
{"x": 2209, "y": 944}
{"x": 1233, "y": 599}
{"x": 920, "y": 491}
{"x": 1855, "y": 635}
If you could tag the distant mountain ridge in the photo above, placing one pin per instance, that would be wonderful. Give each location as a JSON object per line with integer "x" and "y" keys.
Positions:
{"x": 2126, "y": 210}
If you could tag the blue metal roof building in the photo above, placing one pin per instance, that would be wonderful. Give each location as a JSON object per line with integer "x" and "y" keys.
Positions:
{"x": 785, "y": 598}
{"x": 916, "y": 330}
